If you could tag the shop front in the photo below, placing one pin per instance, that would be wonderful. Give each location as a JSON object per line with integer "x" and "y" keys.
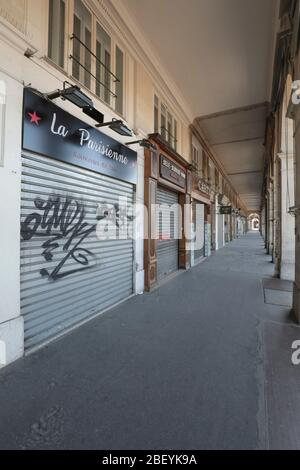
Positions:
{"x": 77, "y": 221}
{"x": 201, "y": 219}
{"x": 225, "y": 212}
{"x": 167, "y": 191}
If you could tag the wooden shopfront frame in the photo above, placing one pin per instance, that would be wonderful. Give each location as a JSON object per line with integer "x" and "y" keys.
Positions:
{"x": 201, "y": 196}
{"x": 154, "y": 177}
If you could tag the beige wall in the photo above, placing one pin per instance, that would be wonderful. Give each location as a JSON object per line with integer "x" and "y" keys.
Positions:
{"x": 144, "y": 115}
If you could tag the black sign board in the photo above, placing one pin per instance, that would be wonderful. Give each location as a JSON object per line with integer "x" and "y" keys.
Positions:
{"x": 204, "y": 187}
{"x": 53, "y": 132}
{"x": 225, "y": 210}
{"x": 172, "y": 172}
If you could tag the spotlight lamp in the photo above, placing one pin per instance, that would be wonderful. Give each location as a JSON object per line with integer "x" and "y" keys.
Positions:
{"x": 74, "y": 94}
{"x": 294, "y": 210}
{"x": 118, "y": 126}
{"x": 144, "y": 143}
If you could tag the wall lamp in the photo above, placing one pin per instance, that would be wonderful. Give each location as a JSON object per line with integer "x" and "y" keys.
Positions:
{"x": 294, "y": 210}
{"x": 74, "y": 94}
{"x": 143, "y": 143}
{"x": 118, "y": 126}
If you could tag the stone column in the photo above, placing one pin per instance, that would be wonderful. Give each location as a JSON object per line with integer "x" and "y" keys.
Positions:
{"x": 11, "y": 320}
{"x": 287, "y": 261}
{"x": 270, "y": 241}
{"x": 296, "y": 299}
{"x": 277, "y": 216}
{"x": 216, "y": 222}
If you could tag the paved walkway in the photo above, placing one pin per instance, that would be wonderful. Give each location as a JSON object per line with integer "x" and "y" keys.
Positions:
{"x": 201, "y": 363}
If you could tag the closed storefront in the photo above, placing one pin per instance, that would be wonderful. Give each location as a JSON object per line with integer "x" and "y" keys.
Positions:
{"x": 221, "y": 227}
{"x": 227, "y": 227}
{"x": 213, "y": 225}
{"x": 166, "y": 184}
{"x": 167, "y": 224}
{"x": 201, "y": 246}
{"x": 199, "y": 230}
{"x": 77, "y": 252}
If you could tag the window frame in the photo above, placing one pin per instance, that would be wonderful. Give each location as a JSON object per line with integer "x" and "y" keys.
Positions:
{"x": 198, "y": 151}
{"x": 66, "y": 38}
{"x": 171, "y": 138}
{"x": 68, "y": 50}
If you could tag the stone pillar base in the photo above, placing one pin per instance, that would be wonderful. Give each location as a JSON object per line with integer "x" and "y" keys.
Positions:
{"x": 11, "y": 340}
{"x": 296, "y": 303}
{"x": 139, "y": 282}
{"x": 287, "y": 271}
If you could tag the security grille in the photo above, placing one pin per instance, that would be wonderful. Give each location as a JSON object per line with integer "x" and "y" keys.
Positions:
{"x": 198, "y": 219}
{"x": 67, "y": 274}
{"x": 168, "y": 228}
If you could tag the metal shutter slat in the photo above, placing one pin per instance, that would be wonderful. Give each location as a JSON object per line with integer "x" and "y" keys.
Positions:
{"x": 51, "y": 307}
{"x": 167, "y": 250}
{"x": 198, "y": 210}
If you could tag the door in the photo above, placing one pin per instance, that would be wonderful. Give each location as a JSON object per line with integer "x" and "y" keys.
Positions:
{"x": 198, "y": 221}
{"x": 67, "y": 274}
{"x": 220, "y": 230}
{"x": 167, "y": 223}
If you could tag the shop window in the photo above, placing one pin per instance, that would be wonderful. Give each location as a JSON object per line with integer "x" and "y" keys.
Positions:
{"x": 205, "y": 167}
{"x": 56, "y": 31}
{"x": 103, "y": 65}
{"x": 82, "y": 25}
{"x": 2, "y": 120}
{"x": 195, "y": 157}
{"x": 120, "y": 76}
{"x": 197, "y": 160}
{"x": 164, "y": 123}
{"x": 156, "y": 119}
{"x": 175, "y": 134}
{"x": 97, "y": 60}
{"x": 170, "y": 129}
{"x": 211, "y": 178}
{"x": 217, "y": 182}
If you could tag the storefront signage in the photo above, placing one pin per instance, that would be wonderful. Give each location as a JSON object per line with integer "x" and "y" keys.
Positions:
{"x": 172, "y": 172}
{"x": 49, "y": 130}
{"x": 225, "y": 210}
{"x": 203, "y": 187}
{"x": 207, "y": 237}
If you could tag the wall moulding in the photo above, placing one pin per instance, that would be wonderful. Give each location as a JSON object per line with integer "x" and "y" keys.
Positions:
{"x": 117, "y": 16}
{"x": 14, "y": 37}
{"x": 198, "y": 134}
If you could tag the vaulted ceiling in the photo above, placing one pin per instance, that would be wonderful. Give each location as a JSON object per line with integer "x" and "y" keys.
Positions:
{"x": 220, "y": 55}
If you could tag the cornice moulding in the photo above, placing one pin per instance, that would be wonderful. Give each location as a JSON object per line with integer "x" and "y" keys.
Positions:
{"x": 141, "y": 50}
{"x": 15, "y": 38}
{"x": 203, "y": 141}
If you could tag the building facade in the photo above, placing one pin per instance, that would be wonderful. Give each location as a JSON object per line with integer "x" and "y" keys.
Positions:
{"x": 62, "y": 178}
{"x": 279, "y": 207}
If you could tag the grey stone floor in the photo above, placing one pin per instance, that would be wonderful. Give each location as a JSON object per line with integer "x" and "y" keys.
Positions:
{"x": 201, "y": 363}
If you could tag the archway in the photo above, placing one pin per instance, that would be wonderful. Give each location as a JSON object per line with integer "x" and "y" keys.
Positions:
{"x": 254, "y": 222}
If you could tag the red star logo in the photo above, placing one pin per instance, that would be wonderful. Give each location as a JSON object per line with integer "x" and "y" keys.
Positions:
{"x": 34, "y": 118}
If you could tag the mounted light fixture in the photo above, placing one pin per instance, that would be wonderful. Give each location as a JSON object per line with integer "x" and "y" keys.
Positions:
{"x": 294, "y": 210}
{"x": 143, "y": 143}
{"x": 118, "y": 126}
{"x": 74, "y": 94}
{"x": 94, "y": 114}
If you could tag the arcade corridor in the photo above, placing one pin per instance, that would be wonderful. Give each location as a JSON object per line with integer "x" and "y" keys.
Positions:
{"x": 158, "y": 372}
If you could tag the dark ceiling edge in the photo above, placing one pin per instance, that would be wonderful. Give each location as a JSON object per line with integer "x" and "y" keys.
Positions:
{"x": 198, "y": 132}
{"x": 264, "y": 104}
{"x": 238, "y": 141}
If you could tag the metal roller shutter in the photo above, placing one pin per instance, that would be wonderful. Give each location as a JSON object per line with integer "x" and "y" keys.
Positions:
{"x": 167, "y": 226}
{"x": 198, "y": 217}
{"x": 67, "y": 273}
